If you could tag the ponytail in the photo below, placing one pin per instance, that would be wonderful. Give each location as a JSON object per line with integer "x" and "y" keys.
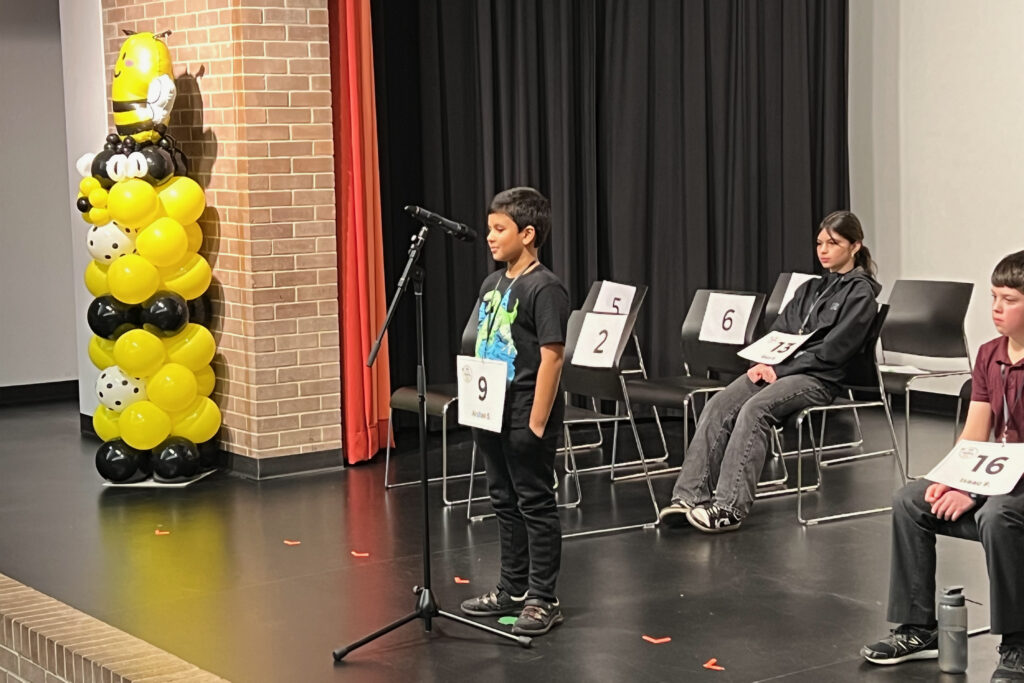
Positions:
{"x": 863, "y": 259}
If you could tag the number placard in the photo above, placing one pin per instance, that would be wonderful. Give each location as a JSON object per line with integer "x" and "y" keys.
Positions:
{"x": 725, "y": 318}
{"x": 599, "y": 339}
{"x": 773, "y": 348}
{"x": 984, "y": 467}
{"x": 614, "y": 298}
{"x": 481, "y": 392}
{"x": 795, "y": 280}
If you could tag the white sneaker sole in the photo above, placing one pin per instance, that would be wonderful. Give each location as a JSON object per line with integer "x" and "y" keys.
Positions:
{"x": 921, "y": 654}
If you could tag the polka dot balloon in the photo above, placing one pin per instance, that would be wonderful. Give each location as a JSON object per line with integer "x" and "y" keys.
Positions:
{"x": 107, "y": 243}
{"x": 117, "y": 390}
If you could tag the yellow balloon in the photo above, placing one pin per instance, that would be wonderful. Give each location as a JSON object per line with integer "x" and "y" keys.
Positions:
{"x": 98, "y": 216}
{"x": 139, "y": 353}
{"x": 193, "y": 347}
{"x": 132, "y": 279}
{"x": 101, "y": 352}
{"x": 172, "y": 387}
{"x": 183, "y": 199}
{"x": 190, "y": 278}
{"x": 205, "y": 380}
{"x": 88, "y": 184}
{"x": 106, "y": 423}
{"x": 96, "y": 279}
{"x": 199, "y": 422}
{"x": 133, "y": 203}
{"x": 195, "y": 237}
{"x": 144, "y": 425}
{"x": 98, "y": 197}
{"x": 164, "y": 243}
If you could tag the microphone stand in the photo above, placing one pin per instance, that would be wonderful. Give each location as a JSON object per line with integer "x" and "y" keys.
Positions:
{"x": 426, "y": 606}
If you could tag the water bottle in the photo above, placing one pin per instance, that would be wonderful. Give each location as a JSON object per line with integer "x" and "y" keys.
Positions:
{"x": 952, "y": 631}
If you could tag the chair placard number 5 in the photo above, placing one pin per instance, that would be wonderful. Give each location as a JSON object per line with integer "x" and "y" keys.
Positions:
{"x": 599, "y": 340}
{"x": 725, "y": 318}
{"x": 614, "y": 298}
{"x": 481, "y": 392}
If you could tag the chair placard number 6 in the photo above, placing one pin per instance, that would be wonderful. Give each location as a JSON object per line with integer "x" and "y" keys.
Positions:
{"x": 599, "y": 340}
{"x": 725, "y": 318}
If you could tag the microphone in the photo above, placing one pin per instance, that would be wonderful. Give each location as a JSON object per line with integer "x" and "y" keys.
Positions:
{"x": 456, "y": 230}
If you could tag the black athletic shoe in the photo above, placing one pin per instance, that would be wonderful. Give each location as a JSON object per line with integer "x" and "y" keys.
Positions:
{"x": 537, "y": 618}
{"x": 674, "y": 514}
{"x": 903, "y": 643}
{"x": 497, "y": 603}
{"x": 712, "y": 519}
{"x": 1011, "y": 664}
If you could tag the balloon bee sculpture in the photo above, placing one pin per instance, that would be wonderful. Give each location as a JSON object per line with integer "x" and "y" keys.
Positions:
{"x": 151, "y": 313}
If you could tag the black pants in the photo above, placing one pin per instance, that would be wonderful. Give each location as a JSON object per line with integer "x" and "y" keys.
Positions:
{"x": 998, "y": 524}
{"x": 520, "y": 477}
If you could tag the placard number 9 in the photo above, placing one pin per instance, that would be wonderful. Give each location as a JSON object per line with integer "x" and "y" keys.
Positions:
{"x": 727, "y": 319}
{"x": 482, "y": 386}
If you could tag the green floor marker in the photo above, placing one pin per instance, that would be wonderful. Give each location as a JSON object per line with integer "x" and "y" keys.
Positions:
{"x": 507, "y": 621}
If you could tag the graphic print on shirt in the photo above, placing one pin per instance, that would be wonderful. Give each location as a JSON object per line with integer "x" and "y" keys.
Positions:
{"x": 494, "y": 330}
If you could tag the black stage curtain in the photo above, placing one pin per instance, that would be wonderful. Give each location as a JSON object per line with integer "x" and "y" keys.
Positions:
{"x": 682, "y": 144}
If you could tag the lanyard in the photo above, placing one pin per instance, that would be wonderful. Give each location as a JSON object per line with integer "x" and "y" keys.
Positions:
{"x": 1008, "y": 410}
{"x": 497, "y": 301}
{"x": 815, "y": 303}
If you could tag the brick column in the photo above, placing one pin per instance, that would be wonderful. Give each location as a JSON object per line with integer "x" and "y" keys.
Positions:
{"x": 253, "y": 114}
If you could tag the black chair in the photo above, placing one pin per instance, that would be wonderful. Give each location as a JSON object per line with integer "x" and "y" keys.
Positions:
{"x": 439, "y": 400}
{"x": 709, "y": 366}
{"x": 862, "y": 376}
{"x": 777, "y": 301}
{"x": 926, "y": 323}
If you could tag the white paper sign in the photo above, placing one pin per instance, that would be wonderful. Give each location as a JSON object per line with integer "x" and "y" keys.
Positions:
{"x": 795, "y": 280}
{"x": 725, "y": 318}
{"x": 984, "y": 467}
{"x": 599, "y": 339}
{"x": 614, "y": 298}
{"x": 774, "y": 347}
{"x": 481, "y": 392}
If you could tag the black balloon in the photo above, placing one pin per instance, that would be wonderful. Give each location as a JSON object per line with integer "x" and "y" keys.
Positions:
{"x": 110, "y": 318}
{"x": 210, "y": 454}
{"x": 113, "y": 138}
{"x": 200, "y": 310}
{"x": 161, "y": 166}
{"x": 175, "y": 457}
{"x": 99, "y": 167}
{"x": 164, "y": 314}
{"x": 180, "y": 162}
{"x": 119, "y": 462}
{"x": 83, "y": 204}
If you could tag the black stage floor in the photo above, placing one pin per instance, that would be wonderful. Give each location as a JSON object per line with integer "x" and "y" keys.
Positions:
{"x": 772, "y": 601}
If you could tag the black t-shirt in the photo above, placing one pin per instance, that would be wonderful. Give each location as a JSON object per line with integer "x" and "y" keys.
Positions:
{"x": 514, "y": 319}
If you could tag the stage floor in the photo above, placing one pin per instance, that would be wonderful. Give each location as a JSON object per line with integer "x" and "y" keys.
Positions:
{"x": 224, "y": 591}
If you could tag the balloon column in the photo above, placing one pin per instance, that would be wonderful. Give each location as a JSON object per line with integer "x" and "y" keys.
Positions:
{"x": 150, "y": 315}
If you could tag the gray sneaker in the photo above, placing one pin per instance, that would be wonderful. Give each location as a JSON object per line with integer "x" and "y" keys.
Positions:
{"x": 497, "y": 603}
{"x": 537, "y": 618}
{"x": 1011, "y": 664}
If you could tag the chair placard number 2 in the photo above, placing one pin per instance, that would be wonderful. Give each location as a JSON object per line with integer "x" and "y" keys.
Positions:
{"x": 725, "y": 318}
{"x": 599, "y": 340}
{"x": 614, "y": 298}
{"x": 481, "y": 392}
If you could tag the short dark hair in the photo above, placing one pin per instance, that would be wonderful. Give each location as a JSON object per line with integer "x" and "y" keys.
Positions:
{"x": 525, "y": 206}
{"x": 1010, "y": 272}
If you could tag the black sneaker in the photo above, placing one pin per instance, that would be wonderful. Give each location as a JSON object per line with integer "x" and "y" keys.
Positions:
{"x": 674, "y": 514}
{"x": 903, "y": 643}
{"x": 497, "y": 603}
{"x": 712, "y": 519}
{"x": 537, "y": 618}
{"x": 1011, "y": 664}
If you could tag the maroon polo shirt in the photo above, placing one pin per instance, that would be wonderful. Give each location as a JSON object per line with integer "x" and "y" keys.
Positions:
{"x": 995, "y": 377}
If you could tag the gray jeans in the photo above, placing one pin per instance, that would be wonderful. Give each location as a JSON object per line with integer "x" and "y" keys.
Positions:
{"x": 731, "y": 440}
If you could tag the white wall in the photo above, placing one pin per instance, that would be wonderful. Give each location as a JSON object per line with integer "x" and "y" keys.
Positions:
{"x": 85, "y": 103}
{"x": 37, "y": 307}
{"x": 953, "y": 154}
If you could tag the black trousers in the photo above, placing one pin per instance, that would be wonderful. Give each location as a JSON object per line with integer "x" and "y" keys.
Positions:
{"x": 520, "y": 478}
{"x": 998, "y": 523}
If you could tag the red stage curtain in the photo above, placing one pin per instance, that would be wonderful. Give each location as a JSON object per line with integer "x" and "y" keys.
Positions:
{"x": 361, "y": 294}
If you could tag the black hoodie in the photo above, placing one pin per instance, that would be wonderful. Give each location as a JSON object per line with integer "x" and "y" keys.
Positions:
{"x": 838, "y": 309}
